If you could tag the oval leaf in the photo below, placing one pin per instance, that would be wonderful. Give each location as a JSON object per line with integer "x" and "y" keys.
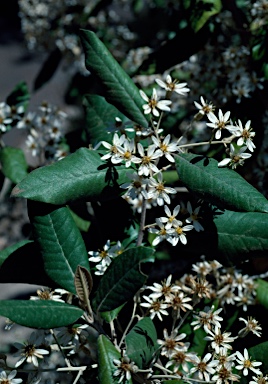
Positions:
{"x": 122, "y": 279}
{"x": 100, "y": 118}
{"x": 40, "y": 313}
{"x": 60, "y": 241}
{"x": 141, "y": 342}
{"x": 120, "y": 89}
{"x": 106, "y": 355}
{"x": 83, "y": 284}
{"x": 220, "y": 186}
{"x": 81, "y": 175}
{"x": 262, "y": 292}
{"x": 14, "y": 165}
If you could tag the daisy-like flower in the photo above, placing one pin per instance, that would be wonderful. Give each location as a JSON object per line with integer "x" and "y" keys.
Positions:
{"x": 113, "y": 153}
{"x": 147, "y": 165}
{"x": 172, "y": 343}
{"x": 9, "y": 379}
{"x": 103, "y": 256}
{"x": 220, "y": 340}
{"x": 166, "y": 147}
{"x": 202, "y": 268}
{"x": 32, "y": 142}
{"x": 178, "y": 232}
{"x": 136, "y": 186}
{"x": 224, "y": 374}
{"x": 244, "y": 299}
{"x": 203, "y": 367}
{"x": 47, "y": 294}
{"x": 155, "y": 307}
{"x": 27, "y": 121}
{"x": 237, "y": 157}
{"x": 244, "y": 363}
{"x": 126, "y": 153}
{"x": 71, "y": 333}
{"x": 154, "y": 104}
{"x": 178, "y": 301}
{"x": 125, "y": 367}
{"x": 194, "y": 217}
{"x": 164, "y": 289}
{"x": 245, "y": 135}
{"x": 201, "y": 288}
{"x": 170, "y": 216}
{"x": 29, "y": 351}
{"x": 251, "y": 326}
{"x": 259, "y": 379}
{"x": 207, "y": 319}
{"x": 161, "y": 233}
{"x": 173, "y": 86}
{"x": 219, "y": 123}
{"x": 180, "y": 359}
{"x": 204, "y": 108}
{"x": 5, "y": 117}
{"x": 158, "y": 191}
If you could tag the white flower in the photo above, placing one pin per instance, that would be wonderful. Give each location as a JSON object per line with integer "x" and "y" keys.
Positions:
{"x": 162, "y": 233}
{"x": 251, "y": 326}
{"x": 194, "y": 217}
{"x": 29, "y": 352}
{"x": 155, "y": 307}
{"x": 113, "y": 153}
{"x": 124, "y": 368}
{"x": 103, "y": 256}
{"x": 147, "y": 165}
{"x": 166, "y": 147}
{"x": 224, "y": 374}
{"x": 126, "y": 153}
{"x": 259, "y": 379}
{"x": 220, "y": 340}
{"x": 245, "y": 135}
{"x": 237, "y": 157}
{"x": 173, "y": 86}
{"x": 165, "y": 288}
{"x": 178, "y": 301}
{"x": 9, "y": 379}
{"x": 245, "y": 364}
{"x": 170, "y": 216}
{"x": 171, "y": 343}
{"x": 158, "y": 191}
{"x": 46, "y": 294}
{"x": 207, "y": 318}
{"x": 204, "y": 368}
{"x": 70, "y": 333}
{"x": 153, "y": 104}
{"x": 219, "y": 123}
{"x": 5, "y": 117}
{"x": 177, "y": 233}
{"x": 136, "y": 187}
{"x": 204, "y": 108}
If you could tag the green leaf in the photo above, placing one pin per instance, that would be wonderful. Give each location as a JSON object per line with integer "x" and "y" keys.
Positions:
{"x": 220, "y": 186}
{"x": 82, "y": 175}
{"x": 259, "y": 353}
{"x": 82, "y": 224}
{"x": 100, "y": 118}
{"x": 122, "y": 279}
{"x": 202, "y": 11}
{"x": 199, "y": 344}
{"x": 5, "y": 253}
{"x": 14, "y": 165}
{"x": 242, "y": 234}
{"x": 141, "y": 342}
{"x": 40, "y": 313}
{"x": 24, "y": 255}
{"x": 60, "y": 241}
{"x": 19, "y": 95}
{"x": 262, "y": 292}
{"x": 120, "y": 89}
{"x": 107, "y": 353}
{"x": 111, "y": 315}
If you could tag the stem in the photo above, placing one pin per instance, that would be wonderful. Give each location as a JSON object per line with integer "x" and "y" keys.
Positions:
{"x": 113, "y": 333}
{"x": 203, "y": 143}
{"x": 142, "y": 222}
{"x": 62, "y": 352}
{"x": 130, "y": 322}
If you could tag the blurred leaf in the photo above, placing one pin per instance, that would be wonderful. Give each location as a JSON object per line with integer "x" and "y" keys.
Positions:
{"x": 40, "y": 313}
{"x": 82, "y": 175}
{"x": 107, "y": 353}
{"x": 5, "y": 253}
{"x": 120, "y": 89}
{"x": 262, "y": 292}
{"x": 14, "y": 165}
{"x": 19, "y": 95}
{"x": 100, "y": 118}
{"x": 201, "y": 12}
{"x": 220, "y": 186}
{"x": 60, "y": 242}
{"x": 48, "y": 69}
{"x": 141, "y": 342}
{"x": 122, "y": 279}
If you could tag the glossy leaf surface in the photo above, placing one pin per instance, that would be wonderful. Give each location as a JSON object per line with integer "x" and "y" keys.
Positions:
{"x": 60, "y": 242}
{"x": 220, "y": 186}
{"x": 141, "y": 342}
{"x": 120, "y": 90}
{"x": 81, "y": 175}
{"x": 40, "y": 313}
{"x": 122, "y": 279}
{"x": 106, "y": 354}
